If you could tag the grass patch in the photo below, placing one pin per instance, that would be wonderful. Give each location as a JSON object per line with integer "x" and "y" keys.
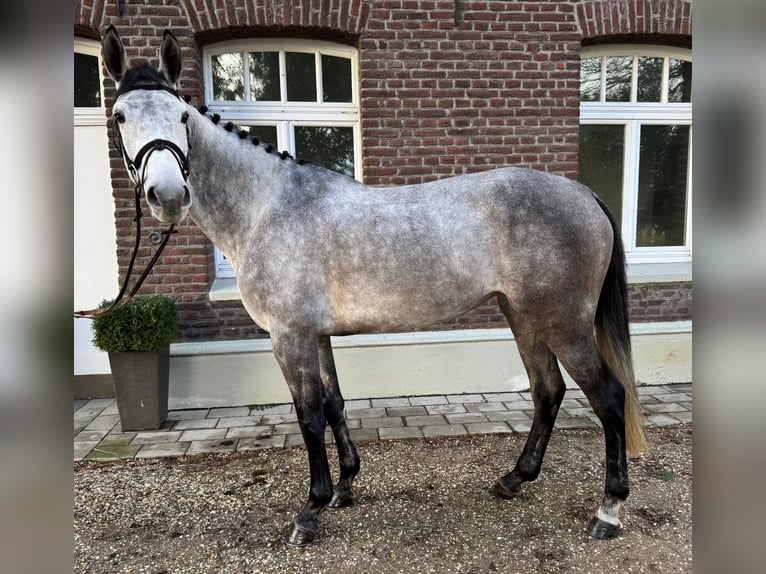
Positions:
{"x": 666, "y": 475}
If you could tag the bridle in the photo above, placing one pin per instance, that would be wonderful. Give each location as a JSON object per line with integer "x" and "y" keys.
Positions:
{"x": 137, "y": 171}
{"x": 135, "y": 165}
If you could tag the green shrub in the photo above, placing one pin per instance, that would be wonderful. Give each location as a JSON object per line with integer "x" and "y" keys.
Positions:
{"x": 143, "y": 324}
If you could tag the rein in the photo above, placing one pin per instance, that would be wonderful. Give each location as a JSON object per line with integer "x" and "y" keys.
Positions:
{"x": 136, "y": 165}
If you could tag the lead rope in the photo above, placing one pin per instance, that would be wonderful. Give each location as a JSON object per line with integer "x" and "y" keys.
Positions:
{"x": 121, "y": 300}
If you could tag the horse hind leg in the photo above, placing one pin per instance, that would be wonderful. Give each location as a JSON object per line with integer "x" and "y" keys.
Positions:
{"x": 547, "y": 388}
{"x": 348, "y": 458}
{"x": 582, "y": 360}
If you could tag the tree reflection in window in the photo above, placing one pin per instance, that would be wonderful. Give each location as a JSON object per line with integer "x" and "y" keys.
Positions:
{"x": 264, "y": 76}
{"x": 330, "y": 146}
{"x": 301, "y": 77}
{"x": 680, "y": 81}
{"x": 645, "y": 73}
{"x": 228, "y": 83}
{"x": 662, "y": 183}
{"x": 619, "y": 71}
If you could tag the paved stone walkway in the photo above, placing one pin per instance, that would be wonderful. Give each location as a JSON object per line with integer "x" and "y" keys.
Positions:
{"x": 98, "y": 434}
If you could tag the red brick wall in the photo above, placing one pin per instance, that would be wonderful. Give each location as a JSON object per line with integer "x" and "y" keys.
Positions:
{"x": 470, "y": 86}
{"x": 447, "y": 87}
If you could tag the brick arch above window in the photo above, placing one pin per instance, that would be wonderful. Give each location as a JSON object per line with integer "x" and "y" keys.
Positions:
{"x": 604, "y": 18}
{"x": 206, "y": 16}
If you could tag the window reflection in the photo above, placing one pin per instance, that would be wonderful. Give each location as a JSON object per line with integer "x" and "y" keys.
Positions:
{"x": 649, "y": 88}
{"x": 590, "y": 80}
{"x": 330, "y": 146}
{"x": 87, "y": 83}
{"x": 264, "y": 76}
{"x": 301, "y": 77}
{"x": 662, "y": 185}
{"x": 228, "y": 78}
{"x": 601, "y": 163}
{"x": 336, "y": 79}
{"x": 619, "y": 72}
{"x": 679, "y": 81}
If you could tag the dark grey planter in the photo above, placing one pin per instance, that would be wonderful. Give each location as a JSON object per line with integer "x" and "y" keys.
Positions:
{"x": 141, "y": 387}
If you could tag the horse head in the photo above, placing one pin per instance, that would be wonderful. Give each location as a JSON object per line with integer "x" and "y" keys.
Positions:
{"x": 149, "y": 125}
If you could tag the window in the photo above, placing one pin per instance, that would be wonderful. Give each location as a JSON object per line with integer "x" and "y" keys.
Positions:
{"x": 299, "y": 95}
{"x": 87, "y": 98}
{"x": 636, "y": 148}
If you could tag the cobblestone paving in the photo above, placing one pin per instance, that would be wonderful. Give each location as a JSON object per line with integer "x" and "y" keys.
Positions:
{"x": 98, "y": 434}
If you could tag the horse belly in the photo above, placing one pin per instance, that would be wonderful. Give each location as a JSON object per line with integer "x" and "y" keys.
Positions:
{"x": 403, "y": 301}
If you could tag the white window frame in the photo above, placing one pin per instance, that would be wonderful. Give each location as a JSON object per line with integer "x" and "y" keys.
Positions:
{"x": 91, "y": 116}
{"x": 645, "y": 264}
{"x": 284, "y": 115}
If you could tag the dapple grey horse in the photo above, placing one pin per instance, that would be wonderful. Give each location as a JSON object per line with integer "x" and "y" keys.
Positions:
{"x": 317, "y": 254}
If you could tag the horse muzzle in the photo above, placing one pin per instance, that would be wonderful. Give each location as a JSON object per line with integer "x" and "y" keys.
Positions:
{"x": 168, "y": 205}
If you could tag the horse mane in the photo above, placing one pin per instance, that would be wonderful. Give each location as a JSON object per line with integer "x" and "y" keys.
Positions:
{"x": 144, "y": 77}
{"x": 265, "y": 146}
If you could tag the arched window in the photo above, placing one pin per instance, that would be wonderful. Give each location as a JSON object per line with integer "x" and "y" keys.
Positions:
{"x": 300, "y": 95}
{"x": 636, "y": 150}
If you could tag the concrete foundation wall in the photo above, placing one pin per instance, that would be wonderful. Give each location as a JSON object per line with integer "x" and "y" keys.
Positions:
{"x": 232, "y": 373}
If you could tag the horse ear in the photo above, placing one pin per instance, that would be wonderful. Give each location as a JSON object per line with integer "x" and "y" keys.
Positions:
{"x": 170, "y": 57}
{"x": 113, "y": 53}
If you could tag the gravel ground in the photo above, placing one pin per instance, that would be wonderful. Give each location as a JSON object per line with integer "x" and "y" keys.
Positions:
{"x": 423, "y": 506}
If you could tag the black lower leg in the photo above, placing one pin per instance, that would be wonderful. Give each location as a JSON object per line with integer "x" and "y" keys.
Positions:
{"x": 306, "y": 524}
{"x": 333, "y": 408}
{"x": 348, "y": 458}
{"x": 343, "y": 495}
{"x": 609, "y": 407}
{"x": 547, "y": 392}
{"x": 528, "y": 465}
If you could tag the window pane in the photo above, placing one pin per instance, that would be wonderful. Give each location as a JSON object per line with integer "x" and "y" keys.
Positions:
{"x": 601, "y": 163}
{"x": 330, "y": 146}
{"x": 590, "y": 80}
{"x": 336, "y": 79}
{"x": 228, "y": 77}
{"x": 619, "y": 71}
{"x": 649, "y": 87}
{"x": 264, "y": 76}
{"x": 265, "y": 134}
{"x": 680, "y": 81}
{"x": 87, "y": 87}
{"x": 662, "y": 185}
{"x": 301, "y": 77}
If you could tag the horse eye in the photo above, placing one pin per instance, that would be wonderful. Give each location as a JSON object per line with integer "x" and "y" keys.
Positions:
{"x": 184, "y": 117}
{"x": 120, "y": 117}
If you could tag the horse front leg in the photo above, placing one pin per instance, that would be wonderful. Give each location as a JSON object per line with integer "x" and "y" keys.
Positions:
{"x": 298, "y": 357}
{"x": 333, "y": 410}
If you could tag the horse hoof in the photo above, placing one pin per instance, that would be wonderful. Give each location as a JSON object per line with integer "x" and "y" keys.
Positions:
{"x": 603, "y": 530}
{"x": 342, "y": 500}
{"x": 500, "y": 490}
{"x": 301, "y": 536}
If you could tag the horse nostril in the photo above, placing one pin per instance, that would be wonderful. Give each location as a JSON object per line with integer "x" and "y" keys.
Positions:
{"x": 187, "y": 198}
{"x": 151, "y": 197}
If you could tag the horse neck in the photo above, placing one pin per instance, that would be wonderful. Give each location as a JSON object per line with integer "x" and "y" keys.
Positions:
{"x": 232, "y": 180}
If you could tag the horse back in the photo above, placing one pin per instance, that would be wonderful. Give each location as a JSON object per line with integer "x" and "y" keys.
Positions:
{"x": 352, "y": 258}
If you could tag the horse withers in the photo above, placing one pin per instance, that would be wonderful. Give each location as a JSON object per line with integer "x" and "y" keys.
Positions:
{"x": 319, "y": 254}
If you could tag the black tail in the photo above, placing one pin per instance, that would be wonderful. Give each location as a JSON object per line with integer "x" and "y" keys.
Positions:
{"x": 613, "y": 337}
